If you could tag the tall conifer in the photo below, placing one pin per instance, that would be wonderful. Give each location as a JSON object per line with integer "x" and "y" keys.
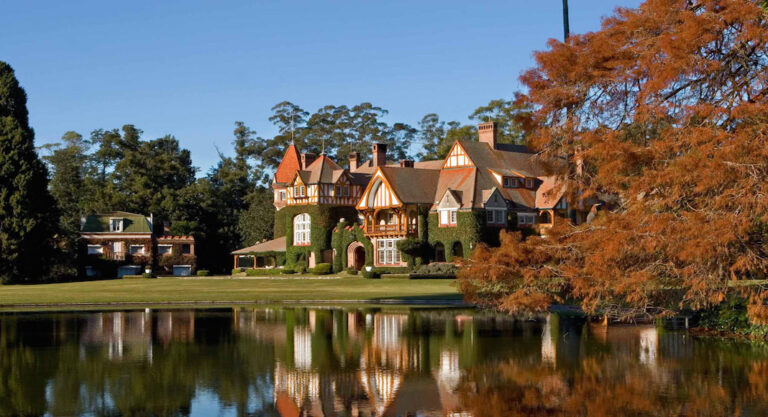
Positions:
{"x": 27, "y": 218}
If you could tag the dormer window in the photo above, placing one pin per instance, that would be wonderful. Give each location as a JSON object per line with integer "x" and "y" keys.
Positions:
{"x": 529, "y": 183}
{"x": 115, "y": 225}
{"x": 510, "y": 182}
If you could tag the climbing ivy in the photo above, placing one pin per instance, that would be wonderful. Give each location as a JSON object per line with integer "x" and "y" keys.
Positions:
{"x": 341, "y": 240}
{"x": 468, "y": 231}
{"x": 323, "y": 219}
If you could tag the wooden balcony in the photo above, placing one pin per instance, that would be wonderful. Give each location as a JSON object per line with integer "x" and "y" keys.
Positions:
{"x": 390, "y": 229}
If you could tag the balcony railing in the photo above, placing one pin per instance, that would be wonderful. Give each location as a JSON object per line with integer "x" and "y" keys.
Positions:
{"x": 391, "y": 229}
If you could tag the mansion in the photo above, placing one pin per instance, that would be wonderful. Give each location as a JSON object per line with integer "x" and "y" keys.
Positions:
{"x": 355, "y": 216}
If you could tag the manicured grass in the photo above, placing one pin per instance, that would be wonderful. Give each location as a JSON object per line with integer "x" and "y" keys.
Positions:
{"x": 222, "y": 289}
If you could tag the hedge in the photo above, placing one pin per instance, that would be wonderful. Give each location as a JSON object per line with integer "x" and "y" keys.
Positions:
{"x": 238, "y": 270}
{"x": 431, "y": 276}
{"x": 371, "y": 274}
{"x": 258, "y": 272}
{"x": 392, "y": 270}
{"x": 203, "y": 273}
{"x": 322, "y": 269}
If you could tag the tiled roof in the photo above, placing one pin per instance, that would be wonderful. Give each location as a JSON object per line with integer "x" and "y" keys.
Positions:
{"x": 549, "y": 192}
{"x": 132, "y": 222}
{"x": 168, "y": 238}
{"x": 461, "y": 180}
{"x": 288, "y": 165}
{"x": 412, "y": 185}
{"x": 274, "y": 245}
{"x": 322, "y": 170}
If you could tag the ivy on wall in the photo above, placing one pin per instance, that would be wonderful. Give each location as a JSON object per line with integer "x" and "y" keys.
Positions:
{"x": 468, "y": 231}
{"x": 323, "y": 219}
{"x": 341, "y": 240}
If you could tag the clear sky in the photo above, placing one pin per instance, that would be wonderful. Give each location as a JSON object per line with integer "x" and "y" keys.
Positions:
{"x": 192, "y": 68}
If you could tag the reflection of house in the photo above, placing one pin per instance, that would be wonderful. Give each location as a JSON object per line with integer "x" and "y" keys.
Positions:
{"x": 123, "y": 333}
{"x": 120, "y": 243}
{"x": 478, "y": 189}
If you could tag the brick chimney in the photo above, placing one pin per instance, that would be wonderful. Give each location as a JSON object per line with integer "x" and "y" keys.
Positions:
{"x": 406, "y": 163}
{"x": 307, "y": 159}
{"x": 354, "y": 161}
{"x": 379, "y": 154}
{"x": 487, "y": 133}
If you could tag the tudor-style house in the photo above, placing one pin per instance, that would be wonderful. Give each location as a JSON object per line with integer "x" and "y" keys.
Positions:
{"x": 452, "y": 204}
{"x": 119, "y": 243}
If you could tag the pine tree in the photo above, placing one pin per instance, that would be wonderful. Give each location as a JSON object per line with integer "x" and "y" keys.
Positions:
{"x": 27, "y": 210}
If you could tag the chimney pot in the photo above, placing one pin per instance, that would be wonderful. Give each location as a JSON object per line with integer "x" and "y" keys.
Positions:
{"x": 487, "y": 133}
{"x": 379, "y": 154}
{"x": 406, "y": 163}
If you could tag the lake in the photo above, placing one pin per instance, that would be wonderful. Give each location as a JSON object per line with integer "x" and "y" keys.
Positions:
{"x": 387, "y": 361}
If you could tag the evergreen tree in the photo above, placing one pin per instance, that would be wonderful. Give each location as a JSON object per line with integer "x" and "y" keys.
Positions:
{"x": 27, "y": 214}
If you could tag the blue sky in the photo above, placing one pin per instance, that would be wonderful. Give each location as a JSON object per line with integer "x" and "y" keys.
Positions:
{"x": 192, "y": 68}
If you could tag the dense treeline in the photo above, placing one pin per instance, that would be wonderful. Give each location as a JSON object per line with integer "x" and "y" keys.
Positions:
{"x": 228, "y": 207}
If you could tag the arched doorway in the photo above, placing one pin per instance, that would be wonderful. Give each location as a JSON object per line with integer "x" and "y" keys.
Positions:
{"x": 457, "y": 251}
{"x": 439, "y": 252}
{"x": 356, "y": 255}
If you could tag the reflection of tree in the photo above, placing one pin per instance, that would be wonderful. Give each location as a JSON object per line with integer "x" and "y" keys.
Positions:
{"x": 603, "y": 385}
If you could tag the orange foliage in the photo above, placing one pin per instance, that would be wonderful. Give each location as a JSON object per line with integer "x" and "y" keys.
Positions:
{"x": 665, "y": 108}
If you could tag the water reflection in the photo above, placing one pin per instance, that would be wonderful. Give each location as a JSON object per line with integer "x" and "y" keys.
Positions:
{"x": 366, "y": 362}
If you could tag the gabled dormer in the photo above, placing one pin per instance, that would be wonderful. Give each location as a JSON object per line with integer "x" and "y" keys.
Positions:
{"x": 457, "y": 158}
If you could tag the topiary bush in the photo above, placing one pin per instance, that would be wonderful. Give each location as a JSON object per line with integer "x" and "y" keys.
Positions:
{"x": 203, "y": 273}
{"x": 147, "y": 275}
{"x": 371, "y": 274}
{"x": 322, "y": 269}
{"x": 352, "y": 271}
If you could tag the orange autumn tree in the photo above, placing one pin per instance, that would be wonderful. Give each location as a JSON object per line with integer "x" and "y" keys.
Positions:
{"x": 666, "y": 110}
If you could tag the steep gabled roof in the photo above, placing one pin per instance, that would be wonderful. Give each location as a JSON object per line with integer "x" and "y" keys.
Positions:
{"x": 515, "y": 159}
{"x": 549, "y": 192}
{"x": 132, "y": 222}
{"x": 461, "y": 181}
{"x": 412, "y": 185}
{"x": 321, "y": 170}
{"x": 288, "y": 165}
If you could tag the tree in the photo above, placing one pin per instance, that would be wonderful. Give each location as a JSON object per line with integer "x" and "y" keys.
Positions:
{"x": 27, "y": 210}
{"x": 666, "y": 111}
{"x": 505, "y": 113}
{"x": 256, "y": 223}
{"x": 69, "y": 185}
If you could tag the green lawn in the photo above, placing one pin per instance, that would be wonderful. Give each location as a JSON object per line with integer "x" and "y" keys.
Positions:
{"x": 221, "y": 289}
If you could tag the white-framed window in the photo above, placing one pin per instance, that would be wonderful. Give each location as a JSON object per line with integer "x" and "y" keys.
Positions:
{"x": 526, "y": 219}
{"x": 448, "y": 217}
{"x": 387, "y": 252}
{"x": 299, "y": 191}
{"x": 136, "y": 249}
{"x": 115, "y": 225}
{"x": 95, "y": 250}
{"x": 496, "y": 216}
{"x": 529, "y": 183}
{"x": 301, "y": 229}
{"x": 164, "y": 249}
{"x": 281, "y": 195}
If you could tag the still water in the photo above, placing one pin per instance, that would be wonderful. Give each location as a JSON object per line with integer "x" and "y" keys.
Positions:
{"x": 366, "y": 362}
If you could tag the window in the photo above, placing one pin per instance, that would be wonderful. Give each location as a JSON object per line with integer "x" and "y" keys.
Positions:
{"x": 164, "y": 249}
{"x": 281, "y": 195}
{"x": 95, "y": 249}
{"x": 345, "y": 189}
{"x": 301, "y": 229}
{"x": 387, "y": 252}
{"x": 525, "y": 219}
{"x": 137, "y": 249}
{"x": 447, "y": 217}
{"x": 496, "y": 216}
{"x": 299, "y": 191}
{"x": 508, "y": 182}
{"x": 529, "y": 183}
{"x": 115, "y": 225}
{"x": 186, "y": 249}
{"x": 562, "y": 204}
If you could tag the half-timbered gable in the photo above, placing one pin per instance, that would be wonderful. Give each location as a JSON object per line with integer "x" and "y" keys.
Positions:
{"x": 457, "y": 158}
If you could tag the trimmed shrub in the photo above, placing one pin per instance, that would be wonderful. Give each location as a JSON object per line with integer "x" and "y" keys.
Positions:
{"x": 262, "y": 272}
{"x": 442, "y": 268}
{"x": 147, "y": 275}
{"x": 300, "y": 269}
{"x": 288, "y": 271}
{"x": 203, "y": 273}
{"x": 392, "y": 270}
{"x": 322, "y": 269}
{"x": 238, "y": 270}
{"x": 371, "y": 274}
{"x": 352, "y": 271}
